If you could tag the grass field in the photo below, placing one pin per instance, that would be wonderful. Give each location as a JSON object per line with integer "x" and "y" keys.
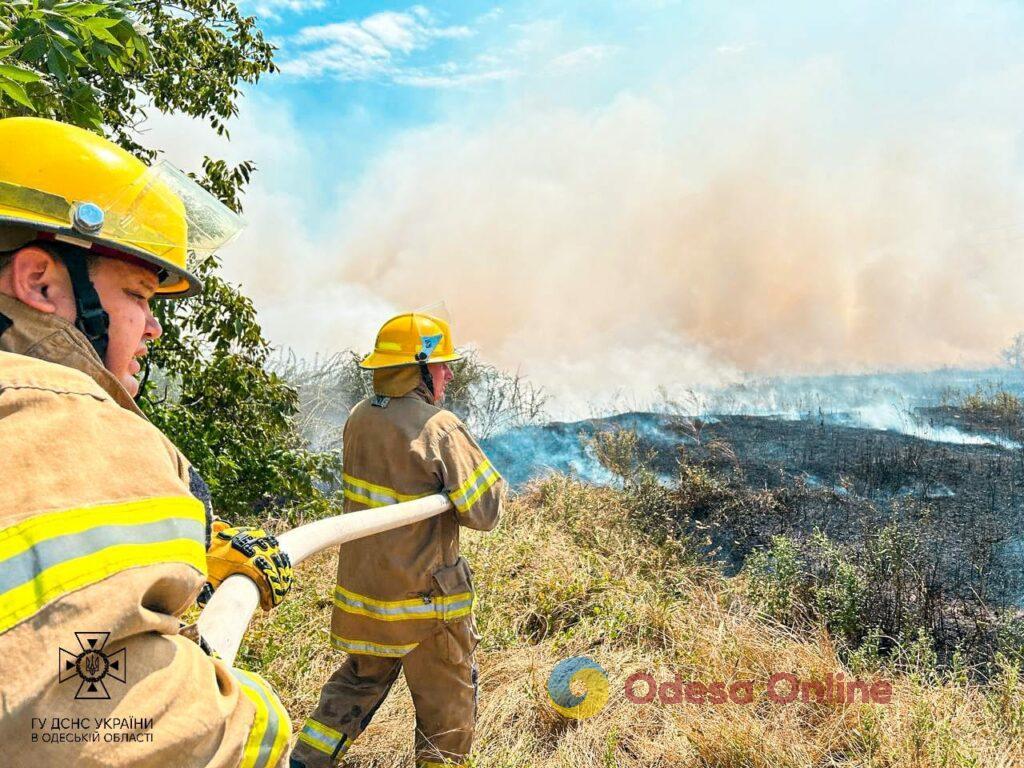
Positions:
{"x": 573, "y": 570}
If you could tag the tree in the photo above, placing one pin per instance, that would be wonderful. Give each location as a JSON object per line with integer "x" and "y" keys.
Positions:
{"x": 1013, "y": 354}
{"x": 101, "y": 65}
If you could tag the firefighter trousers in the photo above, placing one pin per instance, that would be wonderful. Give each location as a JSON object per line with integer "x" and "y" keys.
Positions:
{"x": 442, "y": 677}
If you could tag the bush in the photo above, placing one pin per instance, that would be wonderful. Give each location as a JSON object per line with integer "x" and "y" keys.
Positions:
{"x": 488, "y": 399}
{"x": 877, "y": 591}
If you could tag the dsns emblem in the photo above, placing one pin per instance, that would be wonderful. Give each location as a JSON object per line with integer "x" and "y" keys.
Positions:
{"x": 92, "y": 665}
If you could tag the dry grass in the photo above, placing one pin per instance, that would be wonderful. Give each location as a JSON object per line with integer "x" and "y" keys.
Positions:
{"x": 568, "y": 574}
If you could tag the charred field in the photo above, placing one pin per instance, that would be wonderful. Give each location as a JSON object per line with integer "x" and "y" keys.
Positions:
{"x": 883, "y": 535}
{"x": 859, "y": 540}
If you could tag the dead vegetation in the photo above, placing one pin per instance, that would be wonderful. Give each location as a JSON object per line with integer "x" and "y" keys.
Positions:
{"x": 487, "y": 398}
{"x": 575, "y": 569}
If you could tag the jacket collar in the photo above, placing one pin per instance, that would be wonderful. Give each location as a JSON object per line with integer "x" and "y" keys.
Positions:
{"x": 422, "y": 393}
{"x": 49, "y": 337}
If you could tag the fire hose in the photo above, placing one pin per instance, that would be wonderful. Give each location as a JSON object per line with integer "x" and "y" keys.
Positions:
{"x": 226, "y": 617}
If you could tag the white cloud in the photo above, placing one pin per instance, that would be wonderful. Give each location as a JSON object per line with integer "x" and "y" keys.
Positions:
{"x": 492, "y": 15}
{"x": 454, "y": 80}
{"x": 374, "y": 47}
{"x": 271, "y": 9}
{"x": 584, "y": 56}
{"x": 731, "y": 49}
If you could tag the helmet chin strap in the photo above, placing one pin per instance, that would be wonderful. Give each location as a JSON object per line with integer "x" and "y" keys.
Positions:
{"x": 90, "y": 317}
{"x": 425, "y": 374}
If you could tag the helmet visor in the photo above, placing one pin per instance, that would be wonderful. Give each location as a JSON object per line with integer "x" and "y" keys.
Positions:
{"x": 162, "y": 211}
{"x": 166, "y": 209}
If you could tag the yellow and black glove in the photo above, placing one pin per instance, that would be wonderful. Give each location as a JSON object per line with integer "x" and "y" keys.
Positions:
{"x": 250, "y": 552}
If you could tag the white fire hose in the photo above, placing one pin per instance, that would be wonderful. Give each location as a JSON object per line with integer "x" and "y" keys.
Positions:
{"x": 226, "y": 617}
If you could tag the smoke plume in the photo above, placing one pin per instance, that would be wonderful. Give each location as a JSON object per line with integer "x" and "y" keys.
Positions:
{"x": 619, "y": 249}
{"x": 834, "y": 190}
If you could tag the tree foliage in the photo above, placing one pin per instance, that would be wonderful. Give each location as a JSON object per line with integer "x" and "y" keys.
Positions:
{"x": 102, "y": 65}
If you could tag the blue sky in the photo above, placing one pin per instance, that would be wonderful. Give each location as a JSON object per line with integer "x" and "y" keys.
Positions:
{"x": 356, "y": 74}
{"x": 642, "y": 192}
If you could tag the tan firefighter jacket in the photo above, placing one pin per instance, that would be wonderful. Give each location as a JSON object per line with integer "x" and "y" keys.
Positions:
{"x": 394, "y": 589}
{"x": 102, "y": 547}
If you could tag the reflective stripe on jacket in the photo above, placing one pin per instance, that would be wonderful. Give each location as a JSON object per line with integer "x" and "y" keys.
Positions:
{"x": 395, "y": 588}
{"x": 101, "y": 541}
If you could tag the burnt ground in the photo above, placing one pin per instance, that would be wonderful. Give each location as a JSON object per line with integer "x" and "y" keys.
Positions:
{"x": 967, "y": 501}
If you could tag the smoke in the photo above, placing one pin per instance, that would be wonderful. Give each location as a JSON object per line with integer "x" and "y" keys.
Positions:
{"x": 620, "y": 247}
{"x": 816, "y": 190}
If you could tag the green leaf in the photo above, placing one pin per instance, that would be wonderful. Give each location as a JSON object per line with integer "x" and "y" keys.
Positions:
{"x": 34, "y": 49}
{"x": 18, "y": 75}
{"x": 57, "y": 64}
{"x": 16, "y": 92}
{"x": 82, "y": 9}
{"x": 101, "y": 33}
{"x": 7, "y": 50}
{"x": 100, "y": 22}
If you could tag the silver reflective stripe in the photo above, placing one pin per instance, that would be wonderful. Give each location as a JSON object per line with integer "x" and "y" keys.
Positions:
{"x": 27, "y": 565}
{"x": 392, "y": 610}
{"x": 374, "y": 649}
{"x": 429, "y": 610}
{"x": 324, "y": 742}
{"x": 461, "y": 605}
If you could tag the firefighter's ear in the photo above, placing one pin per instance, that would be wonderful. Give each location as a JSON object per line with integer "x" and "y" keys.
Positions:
{"x": 40, "y": 281}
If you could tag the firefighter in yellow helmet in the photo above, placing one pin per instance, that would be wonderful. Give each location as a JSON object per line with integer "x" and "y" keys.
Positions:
{"x": 404, "y": 598}
{"x": 105, "y": 529}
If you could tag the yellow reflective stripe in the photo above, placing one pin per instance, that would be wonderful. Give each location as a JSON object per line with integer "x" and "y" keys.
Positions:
{"x": 43, "y": 561}
{"x": 467, "y": 494}
{"x": 439, "y": 607}
{"x": 323, "y": 738}
{"x": 374, "y": 495}
{"x": 491, "y": 480}
{"x": 39, "y": 528}
{"x": 271, "y": 727}
{"x": 471, "y": 480}
{"x": 399, "y": 603}
{"x": 366, "y": 648}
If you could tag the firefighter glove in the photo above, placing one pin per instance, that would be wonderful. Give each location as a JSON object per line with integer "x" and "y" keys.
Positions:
{"x": 250, "y": 552}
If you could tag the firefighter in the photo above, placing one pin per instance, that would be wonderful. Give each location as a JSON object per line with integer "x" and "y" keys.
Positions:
{"x": 404, "y": 598}
{"x": 105, "y": 529}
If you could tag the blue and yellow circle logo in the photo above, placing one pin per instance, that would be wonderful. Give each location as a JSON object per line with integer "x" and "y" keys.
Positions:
{"x": 585, "y": 672}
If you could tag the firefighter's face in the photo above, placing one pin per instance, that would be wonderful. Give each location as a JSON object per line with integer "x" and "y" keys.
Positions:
{"x": 126, "y": 290}
{"x": 37, "y": 279}
{"x": 441, "y": 373}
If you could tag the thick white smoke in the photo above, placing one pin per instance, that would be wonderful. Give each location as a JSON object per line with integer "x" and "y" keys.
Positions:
{"x": 623, "y": 249}
{"x": 836, "y": 192}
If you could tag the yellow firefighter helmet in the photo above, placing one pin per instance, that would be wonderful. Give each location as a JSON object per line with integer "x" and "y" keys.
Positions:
{"x": 64, "y": 183}
{"x": 412, "y": 339}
